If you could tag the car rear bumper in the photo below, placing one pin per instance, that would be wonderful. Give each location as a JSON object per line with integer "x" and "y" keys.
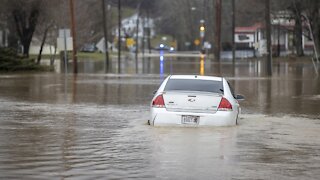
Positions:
{"x": 162, "y": 117}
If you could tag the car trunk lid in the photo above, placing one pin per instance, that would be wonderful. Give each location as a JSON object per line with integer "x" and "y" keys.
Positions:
{"x": 192, "y": 102}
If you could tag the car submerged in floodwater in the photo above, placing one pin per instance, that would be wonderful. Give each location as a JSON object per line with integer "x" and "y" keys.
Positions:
{"x": 191, "y": 100}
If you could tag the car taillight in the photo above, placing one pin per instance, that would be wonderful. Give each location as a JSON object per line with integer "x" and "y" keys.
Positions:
{"x": 158, "y": 102}
{"x": 224, "y": 105}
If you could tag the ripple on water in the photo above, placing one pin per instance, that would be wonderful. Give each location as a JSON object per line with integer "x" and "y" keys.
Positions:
{"x": 113, "y": 141}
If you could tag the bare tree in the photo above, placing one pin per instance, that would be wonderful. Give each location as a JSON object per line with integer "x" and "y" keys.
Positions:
{"x": 298, "y": 31}
{"x": 249, "y": 12}
{"x": 180, "y": 19}
{"x": 303, "y": 12}
{"x": 313, "y": 14}
{"x": 25, "y": 15}
{"x": 294, "y": 10}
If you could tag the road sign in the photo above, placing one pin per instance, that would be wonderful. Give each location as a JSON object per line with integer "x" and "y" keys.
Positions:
{"x": 196, "y": 42}
{"x": 130, "y": 42}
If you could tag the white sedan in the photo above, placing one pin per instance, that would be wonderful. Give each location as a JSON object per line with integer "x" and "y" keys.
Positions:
{"x": 193, "y": 100}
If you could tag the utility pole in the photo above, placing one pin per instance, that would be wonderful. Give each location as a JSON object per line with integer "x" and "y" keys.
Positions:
{"x": 73, "y": 30}
{"x": 65, "y": 51}
{"x": 268, "y": 32}
{"x": 137, "y": 41}
{"x": 233, "y": 32}
{"x": 137, "y": 35}
{"x": 105, "y": 33}
{"x": 203, "y": 27}
{"x": 217, "y": 34}
{"x": 149, "y": 31}
{"x": 119, "y": 36}
{"x": 143, "y": 35}
{"x": 278, "y": 43}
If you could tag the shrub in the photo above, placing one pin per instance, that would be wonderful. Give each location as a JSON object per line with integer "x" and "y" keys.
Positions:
{"x": 11, "y": 61}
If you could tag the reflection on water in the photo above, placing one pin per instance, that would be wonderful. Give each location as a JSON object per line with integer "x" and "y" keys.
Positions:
{"x": 93, "y": 125}
{"x": 202, "y": 64}
{"x": 166, "y": 64}
{"x": 283, "y": 93}
{"x": 161, "y": 65}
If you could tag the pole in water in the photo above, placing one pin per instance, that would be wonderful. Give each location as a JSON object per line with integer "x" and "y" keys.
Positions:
{"x": 119, "y": 36}
{"x": 217, "y": 33}
{"x": 137, "y": 44}
{"x": 233, "y": 32}
{"x": 65, "y": 51}
{"x": 73, "y": 30}
{"x": 105, "y": 33}
{"x": 268, "y": 32}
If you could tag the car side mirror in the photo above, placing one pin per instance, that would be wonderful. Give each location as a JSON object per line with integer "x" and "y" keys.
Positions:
{"x": 239, "y": 97}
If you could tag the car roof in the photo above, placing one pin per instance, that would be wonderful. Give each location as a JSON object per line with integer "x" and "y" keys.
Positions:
{"x": 212, "y": 78}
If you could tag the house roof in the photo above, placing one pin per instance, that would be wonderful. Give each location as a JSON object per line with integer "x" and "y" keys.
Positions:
{"x": 252, "y": 28}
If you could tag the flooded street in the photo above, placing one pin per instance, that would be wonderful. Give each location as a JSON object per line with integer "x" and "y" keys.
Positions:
{"x": 94, "y": 125}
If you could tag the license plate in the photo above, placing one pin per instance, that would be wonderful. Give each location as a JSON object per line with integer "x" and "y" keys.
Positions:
{"x": 190, "y": 119}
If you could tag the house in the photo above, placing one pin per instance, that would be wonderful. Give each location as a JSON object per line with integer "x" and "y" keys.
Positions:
{"x": 129, "y": 32}
{"x": 247, "y": 37}
{"x": 101, "y": 46}
{"x": 4, "y": 33}
{"x": 283, "y": 34}
{"x": 48, "y": 47}
{"x": 129, "y": 27}
{"x": 35, "y": 47}
{"x": 282, "y": 37}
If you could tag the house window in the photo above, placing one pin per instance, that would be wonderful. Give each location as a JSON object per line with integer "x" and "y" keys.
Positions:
{"x": 243, "y": 37}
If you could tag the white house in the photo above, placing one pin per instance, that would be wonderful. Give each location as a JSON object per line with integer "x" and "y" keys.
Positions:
{"x": 129, "y": 27}
{"x": 282, "y": 36}
{"x": 248, "y": 37}
{"x": 35, "y": 47}
{"x": 101, "y": 46}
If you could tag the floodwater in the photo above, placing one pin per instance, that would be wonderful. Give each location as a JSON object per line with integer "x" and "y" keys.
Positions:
{"x": 94, "y": 125}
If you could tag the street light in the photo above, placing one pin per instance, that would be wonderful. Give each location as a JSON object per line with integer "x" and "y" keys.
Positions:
{"x": 137, "y": 34}
{"x": 202, "y": 33}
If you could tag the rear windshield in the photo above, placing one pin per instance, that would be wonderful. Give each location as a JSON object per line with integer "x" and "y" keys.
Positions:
{"x": 194, "y": 85}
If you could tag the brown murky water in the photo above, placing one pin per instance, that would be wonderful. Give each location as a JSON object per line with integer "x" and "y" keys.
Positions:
{"x": 93, "y": 125}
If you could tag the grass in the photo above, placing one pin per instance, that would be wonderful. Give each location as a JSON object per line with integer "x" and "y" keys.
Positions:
{"x": 93, "y": 56}
{"x": 44, "y": 56}
{"x": 83, "y": 55}
{"x": 80, "y": 55}
{"x": 97, "y": 55}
